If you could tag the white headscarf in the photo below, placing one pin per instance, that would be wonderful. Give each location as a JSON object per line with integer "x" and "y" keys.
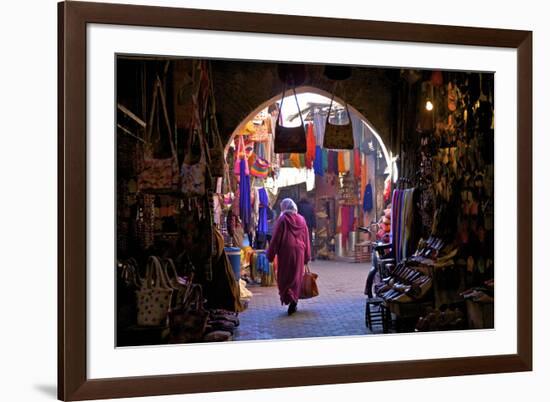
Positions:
{"x": 288, "y": 206}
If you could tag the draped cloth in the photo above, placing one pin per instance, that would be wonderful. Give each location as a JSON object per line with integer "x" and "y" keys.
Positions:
{"x": 290, "y": 244}
{"x": 347, "y": 217}
{"x": 318, "y": 162}
{"x": 368, "y": 204}
{"x": 310, "y": 146}
{"x": 244, "y": 197}
{"x": 332, "y": 162}
{"x": 401, "y": 222}
{"x": 262, "y": 212}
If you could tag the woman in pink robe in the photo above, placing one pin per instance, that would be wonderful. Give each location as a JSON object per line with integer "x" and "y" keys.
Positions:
{"x": 290, "y": 243}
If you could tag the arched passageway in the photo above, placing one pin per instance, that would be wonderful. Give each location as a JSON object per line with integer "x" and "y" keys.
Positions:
{"x": 334, "y": 245}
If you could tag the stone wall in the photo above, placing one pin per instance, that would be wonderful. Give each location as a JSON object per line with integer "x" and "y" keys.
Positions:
{"x": 240, "y": 87}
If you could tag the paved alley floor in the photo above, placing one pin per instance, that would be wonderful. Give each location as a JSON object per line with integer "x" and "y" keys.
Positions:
{"x": 338, "y": 310}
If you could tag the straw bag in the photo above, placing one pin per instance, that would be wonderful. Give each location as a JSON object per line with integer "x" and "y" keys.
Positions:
{"x": 154, "y": 296}
{"x": 159, "y": 174}
{"x": 260, "y": 168}
{"x": 289, "y": 139}
{"x": 309, "y": 284}
{"x": 338, "y": 136}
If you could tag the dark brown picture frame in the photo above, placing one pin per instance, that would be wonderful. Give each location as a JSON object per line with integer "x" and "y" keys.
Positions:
{"x": 73, "y": 383}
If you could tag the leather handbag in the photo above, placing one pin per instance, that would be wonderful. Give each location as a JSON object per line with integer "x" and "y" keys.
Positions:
{"x": 289, "y": 139}
{"x": 154, "y": 296}
{"x": 309, "y": 284}
{"x": 338, "y": 136}
{"x": 158, "y": 173}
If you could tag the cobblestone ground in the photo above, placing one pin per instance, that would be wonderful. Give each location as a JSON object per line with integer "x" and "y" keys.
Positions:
{"x": 338, "y": 310}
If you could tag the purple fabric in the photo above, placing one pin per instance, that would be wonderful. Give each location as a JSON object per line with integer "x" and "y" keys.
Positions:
{"x": 332, "y": 162}
{"x": 290, "y": 243}
{"x": 264, "y": 205}
{"x": 244, "y": 197}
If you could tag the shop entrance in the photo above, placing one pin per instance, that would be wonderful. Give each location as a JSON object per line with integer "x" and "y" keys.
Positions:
{"x": 337, "y": 191}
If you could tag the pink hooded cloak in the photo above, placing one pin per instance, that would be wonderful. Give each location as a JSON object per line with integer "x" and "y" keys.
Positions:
{"x": 290, "y": 243}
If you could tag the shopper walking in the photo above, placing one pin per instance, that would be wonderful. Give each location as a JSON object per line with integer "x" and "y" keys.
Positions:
{"x": 290, "y": 243}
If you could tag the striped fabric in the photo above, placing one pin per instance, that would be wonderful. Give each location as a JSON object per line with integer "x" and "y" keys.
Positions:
{"x": 401, "y": 223}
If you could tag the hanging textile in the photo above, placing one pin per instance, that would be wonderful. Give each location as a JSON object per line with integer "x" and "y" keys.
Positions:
{"x": 318, "y": 162}
{"x": 244, "y": 196}
{"x": 295, "y": 160}
{"x": 347, "y": 161}
{"x": 341, "y": 163}
{"x": 401, "y": 222}
{"x": 325, "y": 159}
{"x": 347, "y": 218}
{"x": 367, "y": 198}
{"x": 302, "y": 160}
{"x": 332, "y": 162}
{"x": 310, "y": 146}
{"x": 240, "y": 155}
{"x": 319, "y": 122}
{"x": 262, "y": 214}
{"x": 364, "y": 181}
{"x": 255, "y": 202}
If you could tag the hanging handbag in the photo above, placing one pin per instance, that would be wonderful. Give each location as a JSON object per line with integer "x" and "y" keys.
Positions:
{"x": 188, "y": 322}
{"x": 193, "y": 175}
{"x": 289, "y": 139}
{"x": 158, "y": 173}
{"x": 309, "y": 284}
{"x": 338, "y": 136}
{"x": 154, "y": 296}
{"x": 178, "y": 283}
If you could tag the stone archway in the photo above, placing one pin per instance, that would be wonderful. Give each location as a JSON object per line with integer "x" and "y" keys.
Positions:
{"x": 390, "y": 161}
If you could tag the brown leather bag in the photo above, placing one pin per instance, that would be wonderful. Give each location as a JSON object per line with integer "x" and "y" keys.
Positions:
{"x": 338, "y": 136}
{"x": 309, "y": 284}
{"x": 289, "y": 139}
{"x": 159, "y": 174}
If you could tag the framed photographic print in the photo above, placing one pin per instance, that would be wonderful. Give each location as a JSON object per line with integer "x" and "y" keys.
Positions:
{"x": 253, "y": 200}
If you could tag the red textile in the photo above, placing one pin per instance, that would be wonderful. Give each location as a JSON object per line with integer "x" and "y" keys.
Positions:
{"x": 310, "y": 146}
{"x": 290, "y": 243}
{"x": 347, "y": 215}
